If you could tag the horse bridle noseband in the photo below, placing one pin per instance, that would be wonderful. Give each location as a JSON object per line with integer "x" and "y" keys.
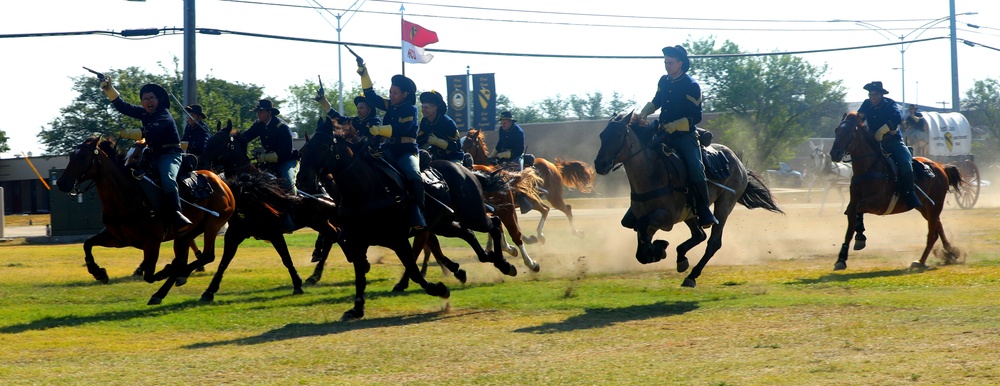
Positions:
{"x": 76, "y": 181}
{"x": 628, "y": 139}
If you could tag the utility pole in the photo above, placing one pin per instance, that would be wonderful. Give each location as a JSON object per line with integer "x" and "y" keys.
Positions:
{"x": 956, "y": 103}
{"x": 190, "y": 75}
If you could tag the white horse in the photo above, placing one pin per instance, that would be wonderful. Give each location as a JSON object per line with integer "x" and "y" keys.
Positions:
{"x": 828, "y": 174}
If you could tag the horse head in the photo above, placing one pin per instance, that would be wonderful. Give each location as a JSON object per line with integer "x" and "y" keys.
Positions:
{"x": 225, "y": 148}
{"x": 136, "y": 154}
{"x": 475, "y": 145}
{"x": 321, "y": 154}
{"x": 843, "y": 140}
{"x": 83, "y": 164}
{"x": 615, "y": 144}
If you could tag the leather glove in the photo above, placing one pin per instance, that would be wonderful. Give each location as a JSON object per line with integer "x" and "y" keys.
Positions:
{"x": 881, "y": 132}
{"x": 504, "y": 154}
{"x": 134, "y": 134}
{"x": 323, "y": 103}
{"x": 677, "y": 125}
{"x": 493, "y": 154}
{"x": 435, "y": 141}
{"x": 366, "y": 81}
{"x": 109, "y": 90}
{"x": 269, "y": 157}
{"x": 646, "y": 110}
{"x": 382, "y": 131}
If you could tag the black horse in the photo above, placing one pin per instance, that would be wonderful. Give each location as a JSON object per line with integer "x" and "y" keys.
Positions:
{"x": 259, "y": 202}
{"x": 372, "y": 211}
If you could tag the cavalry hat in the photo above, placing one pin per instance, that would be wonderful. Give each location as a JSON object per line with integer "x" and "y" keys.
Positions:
{"x": 159, "y": 92}
{"x": 506, "y": 115}
{"x": 435, "y": 97}
{"x": 360, "y": 99}
{"x": 680, "y": 53}
{"x": 195, "y": 110}
{"x": 406, "y": 85}
{"x": 876, "y": 86}
{"x": 265, "y": 104}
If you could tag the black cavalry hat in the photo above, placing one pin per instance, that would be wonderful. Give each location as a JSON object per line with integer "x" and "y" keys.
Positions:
{"x": 195, "y": 110}
{"x": 680, "y": 53}
{"x": 265, "y": 104}
{"x": 406, "y": 85}
{"x": 876, "y": 86}
{"x": 434, "y": 97}
{"x": 508, "y": 116}
{"x": 159, "y": 92}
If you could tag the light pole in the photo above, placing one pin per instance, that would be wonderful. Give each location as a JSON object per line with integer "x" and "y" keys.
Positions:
{"x": 903, "y": 46}
{"x": 340, "y": 61}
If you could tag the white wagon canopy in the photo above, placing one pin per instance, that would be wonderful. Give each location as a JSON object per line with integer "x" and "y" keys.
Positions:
{"x": 949, "y": 140}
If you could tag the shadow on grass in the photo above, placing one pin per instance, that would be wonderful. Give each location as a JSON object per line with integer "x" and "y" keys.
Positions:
{"x": 604, "y": 317}
{"x": 303, "y": 330}
{"x": 75, "y": 320}
{"x": 843, "y": 277}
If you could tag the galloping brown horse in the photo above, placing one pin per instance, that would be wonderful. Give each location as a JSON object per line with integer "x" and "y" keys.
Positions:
{"x": 127, "y": 218}
{"x": 503, "y": 205}
{"x": 555, "y": 176}
{"x": 657, "y": 204}
{"x": 874, "y": 191}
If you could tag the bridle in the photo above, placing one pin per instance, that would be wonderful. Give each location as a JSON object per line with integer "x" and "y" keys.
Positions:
{"x": 94, "y": 161}
{"x": 629, "y": 149}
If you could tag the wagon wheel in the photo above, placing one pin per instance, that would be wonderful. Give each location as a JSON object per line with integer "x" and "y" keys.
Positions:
{"x": 968, "y": 192}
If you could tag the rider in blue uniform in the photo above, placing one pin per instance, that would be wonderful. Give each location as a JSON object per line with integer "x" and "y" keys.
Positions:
{"x": 678, "y": 97}
{"x": 400, "y": 127}
{"x": 883, "y": 119}
{"x": 363, "y": 122}
{"x": 438, "y": 133}
{"x": 509, "y": 152}
{"x": 196, "y": 132}
{"x": 160, "y": 131}
{"x": 276, "y": 139}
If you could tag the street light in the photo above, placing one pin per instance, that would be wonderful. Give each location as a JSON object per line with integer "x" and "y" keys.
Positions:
{"x": 903, "y": 46}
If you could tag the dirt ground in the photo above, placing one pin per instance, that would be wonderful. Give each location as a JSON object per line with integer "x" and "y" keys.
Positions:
{"x": 758, "y": 236}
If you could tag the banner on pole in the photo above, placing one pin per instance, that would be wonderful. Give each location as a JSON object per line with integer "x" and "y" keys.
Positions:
{"x": 458, "y": 106}
{"x": 484, "y": 103}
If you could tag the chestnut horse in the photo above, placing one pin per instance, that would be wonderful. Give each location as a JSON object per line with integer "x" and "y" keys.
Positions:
{"x": 503, "y": 205}
{"x": 874, "y": 191}
{"x": 572, "y": 174}
{"x": 658, "y": 204}
{"x": 128, "y": 220}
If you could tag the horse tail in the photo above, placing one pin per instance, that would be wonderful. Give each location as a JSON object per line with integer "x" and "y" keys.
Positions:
{"x": 527, "y": 182}
{"x": 265, "y": 189}
{"x": 756, "y": 195}
{"x": 954, "y": 176}
{"x": 576, "y": 175}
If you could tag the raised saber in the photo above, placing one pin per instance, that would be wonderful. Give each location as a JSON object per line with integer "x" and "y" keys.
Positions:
{"x": 209, "y": 211}
{"x": 925, "y": 194}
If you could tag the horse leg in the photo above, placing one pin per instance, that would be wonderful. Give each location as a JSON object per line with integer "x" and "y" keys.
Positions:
{"x": 860, "y": 241}
{"x": 567, "y": 209}
{"x": 328, "y": 233}
{"x": 714, "y": 244}
{"x": 197, "y": 256}
{"x": 405, "y": 254}
{"x": 540, "y": 236}
{"x": 434, "y": 247}
{"x": 510, "y": 222}
{"x": 318, "y": 250}
{"x": 104, "y": 239}
{"x": 357, "y": 254}
{"x": 697, "y": 236}
{"x": 852, "y": 218}
{"x": 934, "y": 230}
{"x": 419, "y": 241}
{"x": 282, "y": 248}
{"x": 496, "y": 232}
{"x": 175, "y": 272}
{"x": 647, "y": 250}
{"x": 826, "y": 193}
{"x": 231, "y": 242}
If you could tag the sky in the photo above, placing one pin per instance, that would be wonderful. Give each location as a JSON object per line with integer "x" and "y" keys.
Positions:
{"x": 38, "y": 70}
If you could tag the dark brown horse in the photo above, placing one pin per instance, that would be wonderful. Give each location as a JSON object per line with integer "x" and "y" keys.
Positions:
{"x": 129, "y": 222}
{"x": 657, "y": 204}
{"x": 555, "y": 176}
{"x": 874, "y": 191}
{"x": 373, "y": 212}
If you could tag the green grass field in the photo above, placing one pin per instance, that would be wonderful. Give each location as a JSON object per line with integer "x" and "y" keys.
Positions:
{"x": 591, "y": 316}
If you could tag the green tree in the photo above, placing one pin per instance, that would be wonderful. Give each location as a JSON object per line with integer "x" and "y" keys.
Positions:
{"x": 91, "y": 111}
{"x": 554, "y": 108}
{"x": 304, "y": 111}
{"x": 4, "y": 147}
{"x": 591, "y": 107}
{"x": 982, "y": 107}
{"x": 769, "y": 104}
{"x": 616, "y": 105}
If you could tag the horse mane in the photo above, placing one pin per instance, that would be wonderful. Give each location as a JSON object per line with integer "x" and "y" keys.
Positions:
{"x": 491, "y": 181}
{"x": 262, "y": 187}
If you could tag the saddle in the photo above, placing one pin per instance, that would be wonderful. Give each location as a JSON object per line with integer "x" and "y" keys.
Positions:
{"x": 190, "y": 185}
{"x": 921, "y": 171}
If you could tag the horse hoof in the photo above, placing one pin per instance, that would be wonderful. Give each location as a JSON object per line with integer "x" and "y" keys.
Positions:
{"x": 682, "y": 265}
{"x": 541, "y": 239}
{"x": 137, "y": 272}
{"x": 918, "y": 265}
{"x": 440, "y": 290}
{"x": 530, "y": 239}
{"x": 311, "y": 281}
{"x": 353, "y": 314}
{"x": 154, "y": 301}
{"x": 102, "y": 276}
{"x": 688, "y": 282}
{"x": 207, "y": 297}
{"x": 507, "y": 268}
{"x": 512, "y": 251}
{"x": 460, "y": 275}
{"x": 840, "y": 266}
{"x": 399, "y": 287}
{"x": 180, "y": 281}
{"x": 534, "y": 267}
{"x": 859, "y": 245}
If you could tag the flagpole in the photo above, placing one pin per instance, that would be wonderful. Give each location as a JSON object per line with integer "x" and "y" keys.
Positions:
{"x": 402, "y": 62}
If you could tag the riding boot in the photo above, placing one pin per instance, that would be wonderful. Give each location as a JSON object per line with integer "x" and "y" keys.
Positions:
{"x": 906, "y": 190}
{"x": 415, "y": 189}
{"x": 524, "y": 203}
{"x": 705, "y": 216}
{"x": 287, "y": 224}
{"x": 174, "y": 211}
